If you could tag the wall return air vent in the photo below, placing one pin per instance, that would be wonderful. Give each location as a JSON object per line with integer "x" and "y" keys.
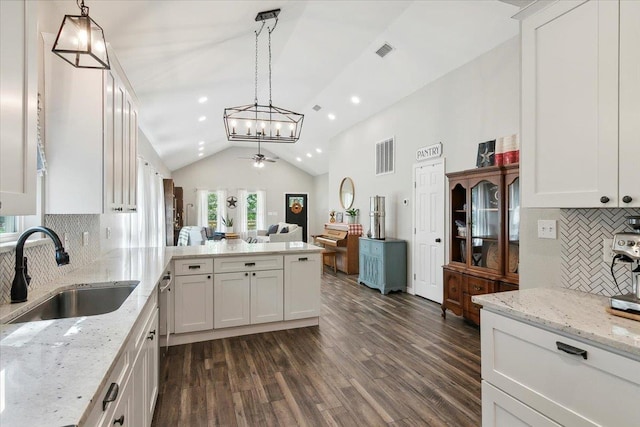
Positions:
{"x": 384, "y": 50}
{"x": 385, "y": 157}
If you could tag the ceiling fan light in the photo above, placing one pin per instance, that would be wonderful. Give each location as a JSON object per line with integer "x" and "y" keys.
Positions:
{"x": 80, "y": 41}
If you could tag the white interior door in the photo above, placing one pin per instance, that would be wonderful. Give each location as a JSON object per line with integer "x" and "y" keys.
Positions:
{"x": 428, "y": 239}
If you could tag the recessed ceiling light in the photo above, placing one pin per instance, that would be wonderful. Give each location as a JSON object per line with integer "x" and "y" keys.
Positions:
{"x": 203, "y": 99}
{"x": 355, "y": 99}
{"x": 308, "y": 154}
{"x": 201, "y": 143}
{"x": 201, "y": 149}
{"x": 331, "y": 116}
{"x": 200, "y": 154}
{"x": 318, "y": 150}
{"x": 298, "y": 159}
{"x": 202, "y": 118}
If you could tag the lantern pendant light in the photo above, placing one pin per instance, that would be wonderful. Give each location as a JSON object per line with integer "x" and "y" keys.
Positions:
{"x": 80, "y": 41}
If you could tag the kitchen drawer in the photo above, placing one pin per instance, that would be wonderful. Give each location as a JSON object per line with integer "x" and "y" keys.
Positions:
{"x": 524, "y": 361}
{"x": 252, "y": 263}
{"x": 118, "y": 375}
{"x": 478, "y": 286}
{"x": 501, "y": 410}
{"x": 186, "y": 267}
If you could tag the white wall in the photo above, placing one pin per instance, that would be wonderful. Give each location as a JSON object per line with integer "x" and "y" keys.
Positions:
{"x": 474, "y": 103}
{"x": 320, "y": 196}
{"x": 224, "y": 170}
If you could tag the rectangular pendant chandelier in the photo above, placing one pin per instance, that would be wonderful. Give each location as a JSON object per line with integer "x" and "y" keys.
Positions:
{"x": 265, "y": 123}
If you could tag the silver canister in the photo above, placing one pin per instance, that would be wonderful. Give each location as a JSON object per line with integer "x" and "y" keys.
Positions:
{"x": 376, "y": 216}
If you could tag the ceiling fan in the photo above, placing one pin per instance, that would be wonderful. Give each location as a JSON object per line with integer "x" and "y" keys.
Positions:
{"x": 259, "y": 159}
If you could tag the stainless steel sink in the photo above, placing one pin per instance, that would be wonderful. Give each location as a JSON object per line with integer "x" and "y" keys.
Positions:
{"x": 89, "y": 301}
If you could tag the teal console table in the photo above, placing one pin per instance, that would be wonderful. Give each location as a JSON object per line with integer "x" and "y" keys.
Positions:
{"x": 383, "y": 264}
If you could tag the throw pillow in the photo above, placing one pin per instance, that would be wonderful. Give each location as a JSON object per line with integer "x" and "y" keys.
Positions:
{"x": 273, "y": 229}
{"x": 284, "y": 230}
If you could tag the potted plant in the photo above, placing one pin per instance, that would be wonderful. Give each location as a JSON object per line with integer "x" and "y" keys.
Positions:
{"x": 352, "y": 215}
{"x": 228, "y": 224}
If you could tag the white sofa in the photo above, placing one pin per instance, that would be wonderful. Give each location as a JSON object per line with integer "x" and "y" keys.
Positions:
{"x": 294, "y": 234}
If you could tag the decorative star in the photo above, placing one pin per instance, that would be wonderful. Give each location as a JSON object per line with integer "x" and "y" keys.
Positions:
{"x": 231, "y": 202}
{"x": 485, "y": 158}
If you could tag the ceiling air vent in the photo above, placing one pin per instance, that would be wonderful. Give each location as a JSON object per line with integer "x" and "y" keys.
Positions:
{"x": 384, "y": 50}
{"x": 317, "y": 107}
{"x": 385, "y": 156}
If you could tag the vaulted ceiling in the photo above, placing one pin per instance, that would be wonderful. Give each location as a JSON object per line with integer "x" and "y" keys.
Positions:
{"x": 175, "y": 52}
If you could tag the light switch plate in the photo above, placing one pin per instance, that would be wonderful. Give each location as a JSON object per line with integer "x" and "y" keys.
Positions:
{"x": 85, "y": 238}
{"x": 108, "y": 233}
{"x": 547, "y": 229}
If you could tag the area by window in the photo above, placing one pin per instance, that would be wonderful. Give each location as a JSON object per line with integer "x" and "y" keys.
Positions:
{"x": 212, "y": 210}
{"x": 9, "y": 228}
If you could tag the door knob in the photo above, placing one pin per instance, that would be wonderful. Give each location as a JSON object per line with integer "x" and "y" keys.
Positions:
{"x": 438, "y": 240}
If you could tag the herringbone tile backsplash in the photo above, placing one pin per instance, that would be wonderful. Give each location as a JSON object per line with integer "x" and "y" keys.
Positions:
{"x": 582, "y": 232}
{"x": 42, "y": 264}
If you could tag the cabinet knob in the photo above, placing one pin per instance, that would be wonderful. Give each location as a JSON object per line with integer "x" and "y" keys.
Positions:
{"x": 254, "y": 274}
{"x": 119, "y": 420}
{"x": 604, "y": 199}
{"x": 246, "y": 274}
{"x": 627, "y": 199}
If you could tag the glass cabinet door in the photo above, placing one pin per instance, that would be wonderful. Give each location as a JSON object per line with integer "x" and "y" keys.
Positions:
{"x": 458, "y": 223}
{"x": 485, "y": 249}
{"x": 512, "y": 250}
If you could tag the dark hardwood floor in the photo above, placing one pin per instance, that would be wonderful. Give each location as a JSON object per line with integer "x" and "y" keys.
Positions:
{"x": 374, "y": 360}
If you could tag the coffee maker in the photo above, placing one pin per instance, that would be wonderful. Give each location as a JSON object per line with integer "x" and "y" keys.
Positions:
{"x": 626, "y": 247}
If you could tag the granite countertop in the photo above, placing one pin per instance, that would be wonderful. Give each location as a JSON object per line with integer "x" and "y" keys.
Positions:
{"x": 579, "y": 314}
{"x": 51, "y": 370}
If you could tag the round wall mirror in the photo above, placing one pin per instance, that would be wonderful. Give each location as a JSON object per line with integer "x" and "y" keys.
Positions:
{"x": 347, "y": 193}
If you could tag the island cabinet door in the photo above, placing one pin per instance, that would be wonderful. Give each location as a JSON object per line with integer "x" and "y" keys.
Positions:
{"x": 266, "y": 296}
{"x": 232, "y": 299}
{"x": 301, "y": 286}
{"x": 193, "y": 301}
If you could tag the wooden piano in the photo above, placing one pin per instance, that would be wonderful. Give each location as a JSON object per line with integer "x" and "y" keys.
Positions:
{"x": 337, "y": 237}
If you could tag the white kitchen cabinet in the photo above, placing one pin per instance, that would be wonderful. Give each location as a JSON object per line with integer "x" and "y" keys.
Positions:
{"x": 91, "y": 131}
{"x": 192, "y": 295}
{"x": 574, "y": 150}
{"x": 629, "y": 101}
{"x": 267, "y": 296}
{"x": 129, "y": 395}
{"x": 18, "y": 107}
{"x": 193, "y": 303}
{"x": 501, "y": 410}
{"x": 232, "y": 300}
{"x": 248, "y": 290}
{"x": 562, "y": 379}
{"x": 301, "y": 286}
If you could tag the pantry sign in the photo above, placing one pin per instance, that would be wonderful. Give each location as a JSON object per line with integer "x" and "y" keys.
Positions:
{"x": 429, "y": 152}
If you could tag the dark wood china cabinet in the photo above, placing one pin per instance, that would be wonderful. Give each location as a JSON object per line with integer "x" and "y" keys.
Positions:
{"x": 484, "y": 237}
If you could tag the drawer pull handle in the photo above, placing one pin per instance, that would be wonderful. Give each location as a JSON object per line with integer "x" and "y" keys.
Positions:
{"x": 249, "y": 264}
{"x": 119, "y": 420}
{"x": 477, "y": 288}
{"x": 303, "y": 259}
{"x": 111, "y": 396}
{"x": 194, "y": 267}
{"x": 571, "y": 349}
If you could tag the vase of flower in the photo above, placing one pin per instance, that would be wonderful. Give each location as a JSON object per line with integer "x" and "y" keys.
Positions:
{"x": 228, "y": 224}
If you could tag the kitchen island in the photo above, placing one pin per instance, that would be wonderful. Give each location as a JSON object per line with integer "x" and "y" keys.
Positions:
{"x": 554, "y": 356}
{"x": 54, "y": 372}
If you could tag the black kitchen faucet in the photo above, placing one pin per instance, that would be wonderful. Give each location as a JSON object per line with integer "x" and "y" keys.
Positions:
{"x": 20, "y": 281}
